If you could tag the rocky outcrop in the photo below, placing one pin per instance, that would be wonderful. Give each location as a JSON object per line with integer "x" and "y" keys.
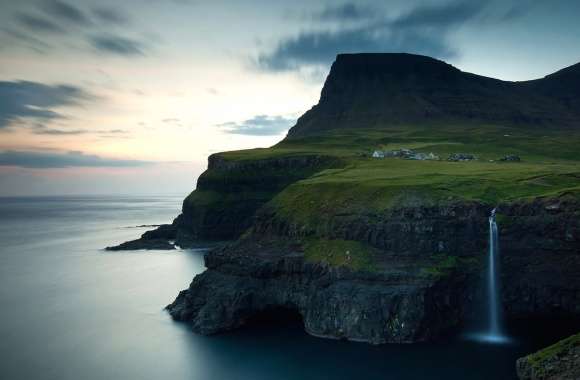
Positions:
{"x": 560, "y": 361}
{"x": 369, "y": 90}
{"x": 231, "y": 191}
{"x": 391, "y": 306}
{"x": 420, "y": 243}
{"x": 227, "y": 196}
{"x": 423, "y": 281}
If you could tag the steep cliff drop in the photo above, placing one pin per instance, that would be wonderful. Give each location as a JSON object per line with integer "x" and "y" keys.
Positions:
{"x": 390, "y": 248}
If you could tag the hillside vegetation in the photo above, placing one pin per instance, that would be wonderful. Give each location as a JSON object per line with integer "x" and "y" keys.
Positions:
{"x": 550, "y": 165}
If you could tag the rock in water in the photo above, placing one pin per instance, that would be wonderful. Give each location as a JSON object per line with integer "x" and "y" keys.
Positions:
{"x": 560, "y": 361}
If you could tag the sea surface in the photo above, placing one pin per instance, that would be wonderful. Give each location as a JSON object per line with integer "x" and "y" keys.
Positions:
{"x": 70, "y": 310}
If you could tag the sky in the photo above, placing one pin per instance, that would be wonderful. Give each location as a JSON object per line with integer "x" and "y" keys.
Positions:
{"x": 110, "y": 97}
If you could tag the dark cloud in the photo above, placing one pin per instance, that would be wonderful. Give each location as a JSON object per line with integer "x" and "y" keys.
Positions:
{"x": 423, "y": 30}
{"x": 43, "y": 130}
{"x": 117, "y": 45}
{"x": 111, "y": 16}
{"x": 92, "y": 25}
{"x": 66, "y": 12}
{"x": 113, "y": 131}
{"x": 439, "y": 17}
{"x": 31, "y": 42}
{"x": 24, "y": 99}
{"x": 51, "y": 160}
{"x": 260, "y": 125}
{"x": 345, "y": 12}
{"x": 320, "y": 48}
{"x": 59, "y": 132}
{"x": 38, "y": 24}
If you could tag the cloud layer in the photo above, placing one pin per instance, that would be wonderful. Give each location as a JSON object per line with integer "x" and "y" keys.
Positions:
{"x": 24, "y": 99}
{"x": 66, "y": 12}
{"x": 425, "y": 29}
{"x": 52, "y": 160}
{"x": 260, "y": 125}
{"x": 109, "y": 43}
{"x": 101, "y": 28}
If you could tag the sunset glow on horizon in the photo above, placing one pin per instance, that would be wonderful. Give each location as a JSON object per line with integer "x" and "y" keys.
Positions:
{"x": 109, "y": 97}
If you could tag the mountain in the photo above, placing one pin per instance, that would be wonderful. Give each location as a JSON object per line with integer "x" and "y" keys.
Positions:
{"x": 392, "y": 249}
{"x": 378, "y": 90}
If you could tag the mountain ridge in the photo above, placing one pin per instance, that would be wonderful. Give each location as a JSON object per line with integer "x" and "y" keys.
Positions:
{"x": 386, "y": 89}
{"x": 318, "y": 226}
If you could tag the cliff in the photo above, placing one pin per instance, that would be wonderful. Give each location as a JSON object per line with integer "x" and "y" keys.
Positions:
{"x": 378, "y": 90}
{"x": 410, "y": 274}
{"x": 391, "y": 250}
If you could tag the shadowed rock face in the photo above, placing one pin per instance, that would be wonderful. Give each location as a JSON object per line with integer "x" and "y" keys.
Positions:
{"x": 228, "y": 195}
{"x": 560, "y": 361}
{"x": 427, "y": 255}
{"x": 370, "y": 90}
{"x": 333, "y": 302}
{"x": 404, "y": 299}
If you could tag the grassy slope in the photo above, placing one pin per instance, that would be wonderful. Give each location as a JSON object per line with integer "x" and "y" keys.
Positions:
{"x": 550, "y": 166}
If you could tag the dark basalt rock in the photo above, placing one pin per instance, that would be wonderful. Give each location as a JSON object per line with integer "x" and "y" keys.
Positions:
{"x": 399, "y": 301}
{"x": 163, "y": 237}
{"x": 560, "y": 361}
{"x": 236, "y": 190}
{"x": 333, "y": 302}
{"x": 138, "y": 244}
{"x": 385, "y": 89}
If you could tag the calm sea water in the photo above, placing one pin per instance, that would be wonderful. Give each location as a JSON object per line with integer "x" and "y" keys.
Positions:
{"x": 69, "y": 310}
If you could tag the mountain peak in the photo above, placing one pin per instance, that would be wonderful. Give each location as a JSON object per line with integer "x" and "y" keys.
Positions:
{"x": 377, "y": 90}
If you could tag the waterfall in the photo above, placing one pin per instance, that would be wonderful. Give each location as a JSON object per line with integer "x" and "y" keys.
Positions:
{"x": 492, "y": 283}
{"x": 493, "y": 331}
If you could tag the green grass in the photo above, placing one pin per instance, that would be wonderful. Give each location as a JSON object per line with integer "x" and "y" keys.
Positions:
{"x": 347, "y": 253}
{"x": 539, "y": 359}
{"x": 360, "y": 185}
{"x": 442, "y": 265}
{"x": 550, "y": 166}
{"x": 487, "y": 142}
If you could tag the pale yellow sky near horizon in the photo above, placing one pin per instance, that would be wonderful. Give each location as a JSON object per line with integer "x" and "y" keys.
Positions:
{"x": 165, "y": 82}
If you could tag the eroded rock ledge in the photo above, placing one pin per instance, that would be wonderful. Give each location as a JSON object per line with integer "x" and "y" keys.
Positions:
{"x": 424, "y": 276}
{"x": 334, "y": 302}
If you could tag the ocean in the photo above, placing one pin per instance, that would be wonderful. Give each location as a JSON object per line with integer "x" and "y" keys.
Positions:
{"x": 70, "y": 310}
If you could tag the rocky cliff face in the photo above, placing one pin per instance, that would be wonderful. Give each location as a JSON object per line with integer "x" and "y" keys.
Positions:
{"x": 369, "y": 90}
{"x": 561, "y": 361}
{"x": 333, "y": 302}
{"x": 391, "y": 250}
{"x": 230, "y": 192}
{"x": 425, "y": 276}
{"x": 227, "y": 196}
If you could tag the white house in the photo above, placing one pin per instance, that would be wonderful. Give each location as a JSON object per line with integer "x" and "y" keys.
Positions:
{"x": 378, "y": 154}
